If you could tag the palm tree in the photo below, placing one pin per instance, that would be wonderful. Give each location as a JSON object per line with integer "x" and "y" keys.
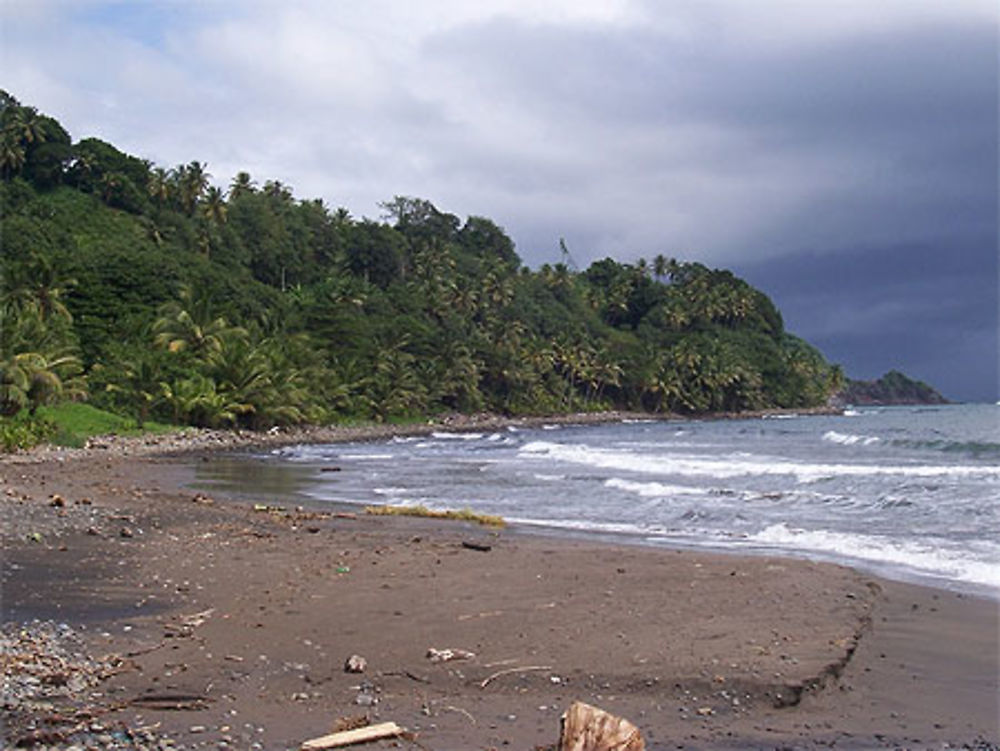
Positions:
{"x": 110, "y": 183}
{"x": 31, "y": 379}
{"x": 159, "y": 186}
{"x": 12, "y": 153}
{"x": 660, "y": 267}
{"x": 39, "y": 283}
{"x": 456, "y": 379}
{"x": 278, "y": 191}
{"x": 196, "y": 401}
{"x": 136, "y": 381}
{"x": 38, "y": 363}
{"x": 26, "y": 124}
{"x": 394, "y": 388}
{"x": 241, "y": 185}
{"x": 242, "y": 372}
{"x": 214, "y": 207}
{"x": 608, "y": 372}
{"x": 192, "y": 181}
{"x": 190, "y": 325}
{"x": 497, "y": 289}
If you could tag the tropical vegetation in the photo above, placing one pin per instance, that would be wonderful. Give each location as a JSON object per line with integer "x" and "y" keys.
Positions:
{"x": 157, "y": 294}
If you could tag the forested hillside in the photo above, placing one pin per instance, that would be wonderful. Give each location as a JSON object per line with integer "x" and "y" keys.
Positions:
{"x": 153, "y": 292}
{"x": 892, "y": 388}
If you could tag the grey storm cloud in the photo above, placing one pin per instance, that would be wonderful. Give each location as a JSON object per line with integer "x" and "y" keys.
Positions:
{"x": 928, "y": 310}
{"x": 890, "y": 133}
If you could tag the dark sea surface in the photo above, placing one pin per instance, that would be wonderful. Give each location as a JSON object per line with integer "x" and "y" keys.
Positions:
{"x": 906, "y": 492}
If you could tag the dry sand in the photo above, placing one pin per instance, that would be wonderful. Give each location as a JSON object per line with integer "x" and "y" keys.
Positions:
{"x": 236, "y": 623}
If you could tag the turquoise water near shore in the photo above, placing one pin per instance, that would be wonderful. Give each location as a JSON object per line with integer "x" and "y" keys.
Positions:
{"x": 905, "y": 492}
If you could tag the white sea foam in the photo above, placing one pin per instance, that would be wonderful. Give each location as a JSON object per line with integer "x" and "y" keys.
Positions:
{"x": 614, "y": 528}
{"x": 736, "y": 465}
{"x": 367, "y": 457}
{"x": 652, "y": 489}
{"x": 933, "y": 557}
{"x": 457, "y": 436}
{"x": 849, "y": 439}
{"x": 305, "y": 453}
{"x": 391, "y": 491}
{"x": 549, "y": 478}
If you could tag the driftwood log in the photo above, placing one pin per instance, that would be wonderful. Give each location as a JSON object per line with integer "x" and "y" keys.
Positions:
{"x": 350, "y": 737}
{"x": 587, "y": 728}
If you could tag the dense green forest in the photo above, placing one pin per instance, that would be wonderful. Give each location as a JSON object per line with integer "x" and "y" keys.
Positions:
{"x": 154, "y": 293}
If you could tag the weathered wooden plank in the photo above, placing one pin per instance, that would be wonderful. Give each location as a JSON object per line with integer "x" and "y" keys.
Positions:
{"x": 350, "y": 737}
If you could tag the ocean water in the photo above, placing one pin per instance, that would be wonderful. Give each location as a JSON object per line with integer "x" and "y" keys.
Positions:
{"x": 906, "y": 492}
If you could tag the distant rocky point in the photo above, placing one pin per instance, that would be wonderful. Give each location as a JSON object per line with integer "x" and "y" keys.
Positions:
{"x": 892, "y": 388}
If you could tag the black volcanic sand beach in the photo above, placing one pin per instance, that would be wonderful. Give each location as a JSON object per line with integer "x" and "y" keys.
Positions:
{"x": 221, "y": 624}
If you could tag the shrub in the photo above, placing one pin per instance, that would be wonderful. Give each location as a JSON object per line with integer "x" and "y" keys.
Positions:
{"x": 23, "y": 432}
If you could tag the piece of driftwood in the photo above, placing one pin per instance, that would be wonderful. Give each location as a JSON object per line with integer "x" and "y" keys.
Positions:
{"x": 461, "y": 711}
{"x": 174, "y": 702}
{"x": 480, "y": 546}
{"x": 508, "y": 671}
{"x": 587, "y": 728}
{"x": 350, "y": 737}
{"x": 146, "y": 650}
{"x": 447, "y": 655}
{"x": 485, "y": 614}
{"x": 196, "y": 619}
{"x": 408, "y": 674}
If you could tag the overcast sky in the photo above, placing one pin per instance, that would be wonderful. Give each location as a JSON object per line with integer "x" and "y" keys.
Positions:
{"x": 840, "y": 155}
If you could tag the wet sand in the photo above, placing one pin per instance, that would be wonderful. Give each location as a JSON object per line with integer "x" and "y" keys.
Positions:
{"x": 245, "y": 618}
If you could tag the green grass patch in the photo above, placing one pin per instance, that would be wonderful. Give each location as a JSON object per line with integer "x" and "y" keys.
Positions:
{"x": 75, "y": 422}
{"x": 463, "y": 515}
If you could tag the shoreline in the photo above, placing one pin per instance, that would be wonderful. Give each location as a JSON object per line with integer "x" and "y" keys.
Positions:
{"x": 196, "y": 440}
{"x": 699, "y": 649}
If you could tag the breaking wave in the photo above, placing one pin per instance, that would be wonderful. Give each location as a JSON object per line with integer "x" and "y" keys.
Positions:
{"x": 652, "y": 489}
{"x": 737, "y": 465}
{"x": 848, "y": 439}
{"x": 936, "y": 557}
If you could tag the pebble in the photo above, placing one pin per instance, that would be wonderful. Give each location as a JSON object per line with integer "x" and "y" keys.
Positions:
{"x": 355, "y": 664}
{"x": 46, "y": 664}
